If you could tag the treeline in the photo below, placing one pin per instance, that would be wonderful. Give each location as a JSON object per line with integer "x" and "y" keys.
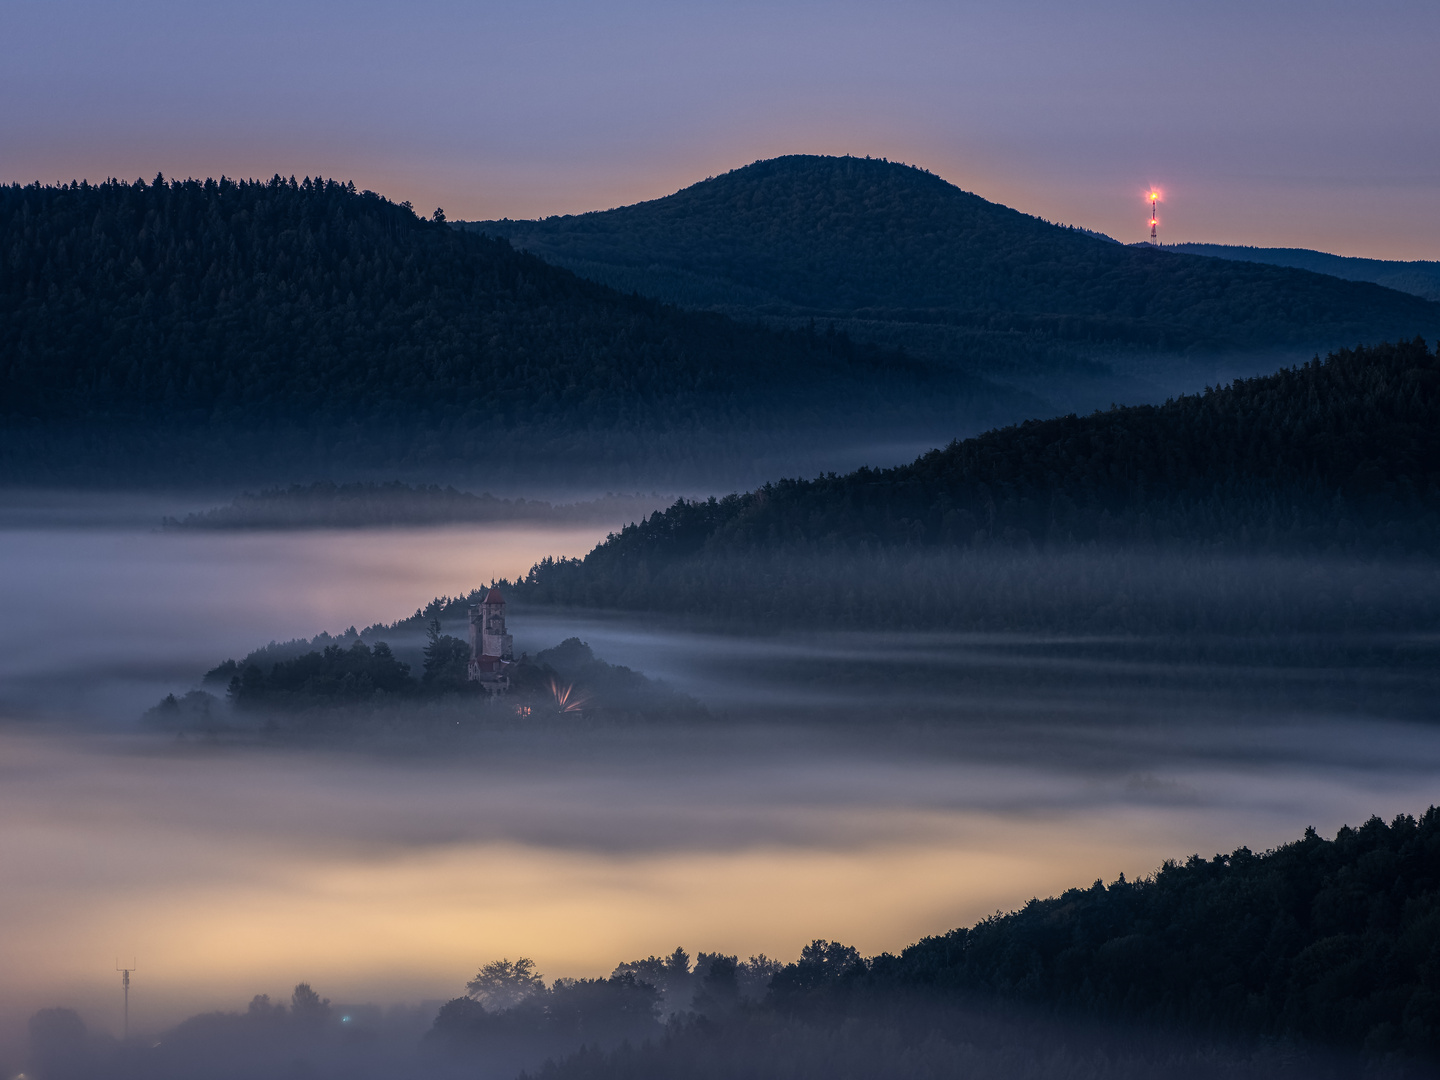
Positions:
{"x": 1339, "y": 457}
{"x": 1319, "y": 959}
{"x": 1333, "y": 942}
{"x": 1420, "y": 277}
{"x": 1317, "y": 944}
{"x": 213, "y": 1044}
{"x": 895, "y": 253}
{"x": 509, "y": 1010}
{"x": 219, "y": 328}
{"x": 327, "y": 505}
{"x": 1080, "y": 591}
{"x": 317, "y": 690}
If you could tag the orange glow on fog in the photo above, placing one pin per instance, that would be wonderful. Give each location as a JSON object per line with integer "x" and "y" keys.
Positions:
{"x": 365, "y": 911}
{"x": 234, "y": 873}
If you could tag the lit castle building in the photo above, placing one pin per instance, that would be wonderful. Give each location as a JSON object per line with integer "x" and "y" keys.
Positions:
{"x": 491, "y": 649}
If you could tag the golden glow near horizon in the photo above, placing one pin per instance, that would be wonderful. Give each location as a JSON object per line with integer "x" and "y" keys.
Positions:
{"x": 231, "y": 873}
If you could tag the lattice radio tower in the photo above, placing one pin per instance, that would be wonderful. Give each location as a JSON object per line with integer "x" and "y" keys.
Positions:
{"x": 125, "y": 983}
{"x": 1154, "y": 220}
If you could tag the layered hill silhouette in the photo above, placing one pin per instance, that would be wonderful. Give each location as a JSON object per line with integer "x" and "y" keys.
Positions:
{"x": 278, "y": 331}
{"x": 1324, "y": 948}
{"x": 1315, "y": 959}
{"x": 1337, "y": 456}
{"x": 274, "y": 330}
{"x": 894, "y": 254}
{"x": 1420, "y": 277}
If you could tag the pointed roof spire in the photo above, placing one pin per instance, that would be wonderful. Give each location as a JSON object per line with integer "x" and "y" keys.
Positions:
{"x": 494, "y": 597}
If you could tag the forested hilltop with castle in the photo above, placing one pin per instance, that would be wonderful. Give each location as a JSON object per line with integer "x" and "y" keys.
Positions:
{"x": 345, "y": 686}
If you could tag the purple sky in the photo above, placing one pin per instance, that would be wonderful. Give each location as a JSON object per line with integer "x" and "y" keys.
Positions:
{"x": 1306, "y": 123}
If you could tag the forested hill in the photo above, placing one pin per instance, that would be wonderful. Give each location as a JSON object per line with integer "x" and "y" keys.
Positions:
{"x": 1341, "y": 454}
{"x": 897, "y": 254}
{"x": 284, "y": 329}
{"x": 1422, "y": 278}
{"x": 1315, "y": 960}
{"x": 1328, "y": 941}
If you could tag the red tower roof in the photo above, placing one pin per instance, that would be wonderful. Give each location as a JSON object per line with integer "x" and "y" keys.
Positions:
{"x": 494, "y": 597}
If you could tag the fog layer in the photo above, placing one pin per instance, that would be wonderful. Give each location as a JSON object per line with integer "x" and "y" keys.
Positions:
{"x": 866, "y": 788}
{"x": 99, "y": 622}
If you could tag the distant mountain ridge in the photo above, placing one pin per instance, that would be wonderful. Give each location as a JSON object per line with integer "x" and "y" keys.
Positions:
{"x": 896, "y": 255}
{"x": 192, "y": 331}
{"x": 1420, "y": 278}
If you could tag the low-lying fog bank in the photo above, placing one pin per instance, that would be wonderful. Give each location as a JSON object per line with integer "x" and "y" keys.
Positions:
{"x": 864, "y": 786}
{"x": 230, "y": 871}
{"x": 372, "y": 505}
{"x": 99, "y": 622}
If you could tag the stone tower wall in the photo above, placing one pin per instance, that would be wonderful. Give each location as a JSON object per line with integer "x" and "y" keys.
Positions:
{"x": 495, "y": 640}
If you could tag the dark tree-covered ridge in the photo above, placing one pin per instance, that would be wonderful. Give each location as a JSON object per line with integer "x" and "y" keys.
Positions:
{"x": 879, "y": 242}
{"x": 1420, "y": 277}
{"x": 224, "y": 301}
{"x": 1320, "y": 959}
{"x": 1332, "y": 941}
{"x": 178, "y": 322}
{"x": 1340, "y": 452}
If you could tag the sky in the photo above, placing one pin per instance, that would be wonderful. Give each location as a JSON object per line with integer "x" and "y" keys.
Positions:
{"x": 1308, "y": 124}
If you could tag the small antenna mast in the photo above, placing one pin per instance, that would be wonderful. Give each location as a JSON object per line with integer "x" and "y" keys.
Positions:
{"x": 125, "y": 983}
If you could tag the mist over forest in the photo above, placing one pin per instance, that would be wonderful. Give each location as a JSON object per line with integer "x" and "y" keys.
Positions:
{"x": 254, "y": 332}
{"x": 889, "y": 572}
{"x": 326, "y": 505}
{"x": 1287, "y": 962}
{"x": 1420, "y": 277}
{"x": 180, "y": 332}
{"x": 896, "y": 256}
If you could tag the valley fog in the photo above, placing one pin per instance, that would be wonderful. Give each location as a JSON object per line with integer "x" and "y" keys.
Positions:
{"x": 867, "y": 788}
{"x": 101, "y": 613}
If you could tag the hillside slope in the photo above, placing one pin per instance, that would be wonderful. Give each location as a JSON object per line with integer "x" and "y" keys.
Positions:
{"x": 188, "y": 330}
{"x": 1315, "y": 960}
{"x": 1339, "y": 456}
{"x": 894, "y": 254}
{"x": 1420, "y": 278}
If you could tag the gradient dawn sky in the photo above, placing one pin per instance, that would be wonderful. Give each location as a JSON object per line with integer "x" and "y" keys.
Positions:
{"x": 1308, "y": 123}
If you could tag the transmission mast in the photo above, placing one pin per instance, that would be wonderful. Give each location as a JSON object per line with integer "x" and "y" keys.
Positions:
{"x": 1154, "y": 221}
{"x": 125, "y": 984}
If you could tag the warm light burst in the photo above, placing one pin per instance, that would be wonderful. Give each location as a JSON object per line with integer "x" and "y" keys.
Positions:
{"x": 565, "y": 701}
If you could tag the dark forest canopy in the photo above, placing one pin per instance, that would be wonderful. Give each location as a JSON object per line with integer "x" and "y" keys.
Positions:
{"x": 1338, "y": 457}
{"x": 336, "y": 685}
{"x": 1420, "y": 277}
{"x": 188, "y": 329}
{"x": 1320, "y": 958}
{"x": 1348, "y": 446}
{"x": 893, "y": 253}
{"x": 1332, "y": 943}
{"x": 1329, "y": 941}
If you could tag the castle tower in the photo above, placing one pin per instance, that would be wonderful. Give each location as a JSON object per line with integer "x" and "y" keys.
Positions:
{"x": 491, "y": 648}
